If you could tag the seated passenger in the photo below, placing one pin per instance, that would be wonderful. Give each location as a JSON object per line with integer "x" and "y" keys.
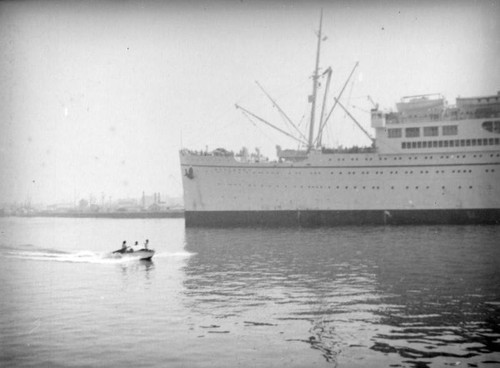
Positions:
{"x": 123, "y": 249}
{"x": 135, "y": 248}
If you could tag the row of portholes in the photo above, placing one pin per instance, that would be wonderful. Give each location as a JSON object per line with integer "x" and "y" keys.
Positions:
{"x": 381, "y": 172}
{"x": 297, "y": 172}
{"x": 366, "y": 159}
{"x": 346, "y": 187}
{"x": 396, "y": 158}
{"x": 393, "y": 172}
{"x": 406, "y": 172}
{"x": 416, "y": 157}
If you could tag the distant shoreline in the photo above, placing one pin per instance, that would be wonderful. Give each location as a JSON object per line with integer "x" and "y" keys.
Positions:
{"x": 116, "y": 215}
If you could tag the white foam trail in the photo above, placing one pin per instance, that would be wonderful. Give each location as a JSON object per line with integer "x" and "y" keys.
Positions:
{"x": 78, "y": 257}
{"x": 84, "y": 256}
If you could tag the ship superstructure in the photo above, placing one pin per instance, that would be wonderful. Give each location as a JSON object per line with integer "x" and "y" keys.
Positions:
{"x": 430, "y": 162}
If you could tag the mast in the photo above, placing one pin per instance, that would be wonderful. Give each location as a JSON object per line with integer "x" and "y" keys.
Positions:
{"x": 322, "y": 116}
{"x": 315, "y": 86}
{"x": 323, "y": 124}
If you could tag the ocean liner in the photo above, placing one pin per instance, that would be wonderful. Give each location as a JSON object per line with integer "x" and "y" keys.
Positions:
{"x": 430, "y": 163}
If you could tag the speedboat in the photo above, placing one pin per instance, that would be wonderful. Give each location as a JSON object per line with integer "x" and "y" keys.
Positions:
{"x": 142, "y": 254}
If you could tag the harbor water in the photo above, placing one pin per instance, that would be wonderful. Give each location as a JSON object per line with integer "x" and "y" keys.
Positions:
{"x": 385, "y": 296}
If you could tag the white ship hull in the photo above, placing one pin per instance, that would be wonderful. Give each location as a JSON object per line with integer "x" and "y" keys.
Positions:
{"x": 331, "y": 189}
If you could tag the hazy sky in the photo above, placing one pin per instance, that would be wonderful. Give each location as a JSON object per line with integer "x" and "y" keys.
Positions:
{"x": 98, "y": 97}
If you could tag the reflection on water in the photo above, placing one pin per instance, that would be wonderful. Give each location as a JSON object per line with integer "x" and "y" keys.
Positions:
{"x": 393, "y": 296}
{"x": 347, "y": 297}
{"x": 138, "y": 267}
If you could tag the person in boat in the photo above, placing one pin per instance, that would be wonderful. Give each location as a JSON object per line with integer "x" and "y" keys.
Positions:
{"x": 123, "y": 248}
{"x": 135, "y": 248}
{"x": 146, "y": 243}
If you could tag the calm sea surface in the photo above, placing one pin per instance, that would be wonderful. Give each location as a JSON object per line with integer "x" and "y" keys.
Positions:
{"x": 343, "y": 297}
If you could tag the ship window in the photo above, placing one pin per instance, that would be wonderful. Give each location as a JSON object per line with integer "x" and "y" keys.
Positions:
{"x": 432, "y": 131}
{"x": 412, "y": 132}
{"x": 497, "y": 140}
{"x": 492, "y": 126}
{"x": 434, "y": 144}
{"x": 462, "y": 142}
{"x": 450, "y": 130}
{"x": 473, "y": 142}
{"x": 446, "y": 143}
{"x": 413, "y": 144}
{"x": 496, "y": 127}
{"x": 488, "y": 125}
{"x": 440, "y": 143}
{"x": 479, "y": 142}
{"x": 424, "y": 144}
{"x": 492, "y": 141}
{"x": 452, "y": 143}
{"x": 419, "y": 144}
{"x": 467, "y": 142}
{"x": 394, "y": 133}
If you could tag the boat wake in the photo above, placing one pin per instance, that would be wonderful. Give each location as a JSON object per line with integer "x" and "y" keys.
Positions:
{"x": 70, "y": 257}
{"x": 53, "y": 255}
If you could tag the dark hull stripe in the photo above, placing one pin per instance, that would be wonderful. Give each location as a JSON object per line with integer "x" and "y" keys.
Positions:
{"x": 315, "y": 218}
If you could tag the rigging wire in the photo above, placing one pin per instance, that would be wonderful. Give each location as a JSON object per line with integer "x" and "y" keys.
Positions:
{"x": 349, "y": 97}
{"x": 284, "y": 117}
{"x": 261, "y": 131}
{"x": 222, "y": 113}
{"x": 282, "y": 96}
{"x": 360, "y": 109}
